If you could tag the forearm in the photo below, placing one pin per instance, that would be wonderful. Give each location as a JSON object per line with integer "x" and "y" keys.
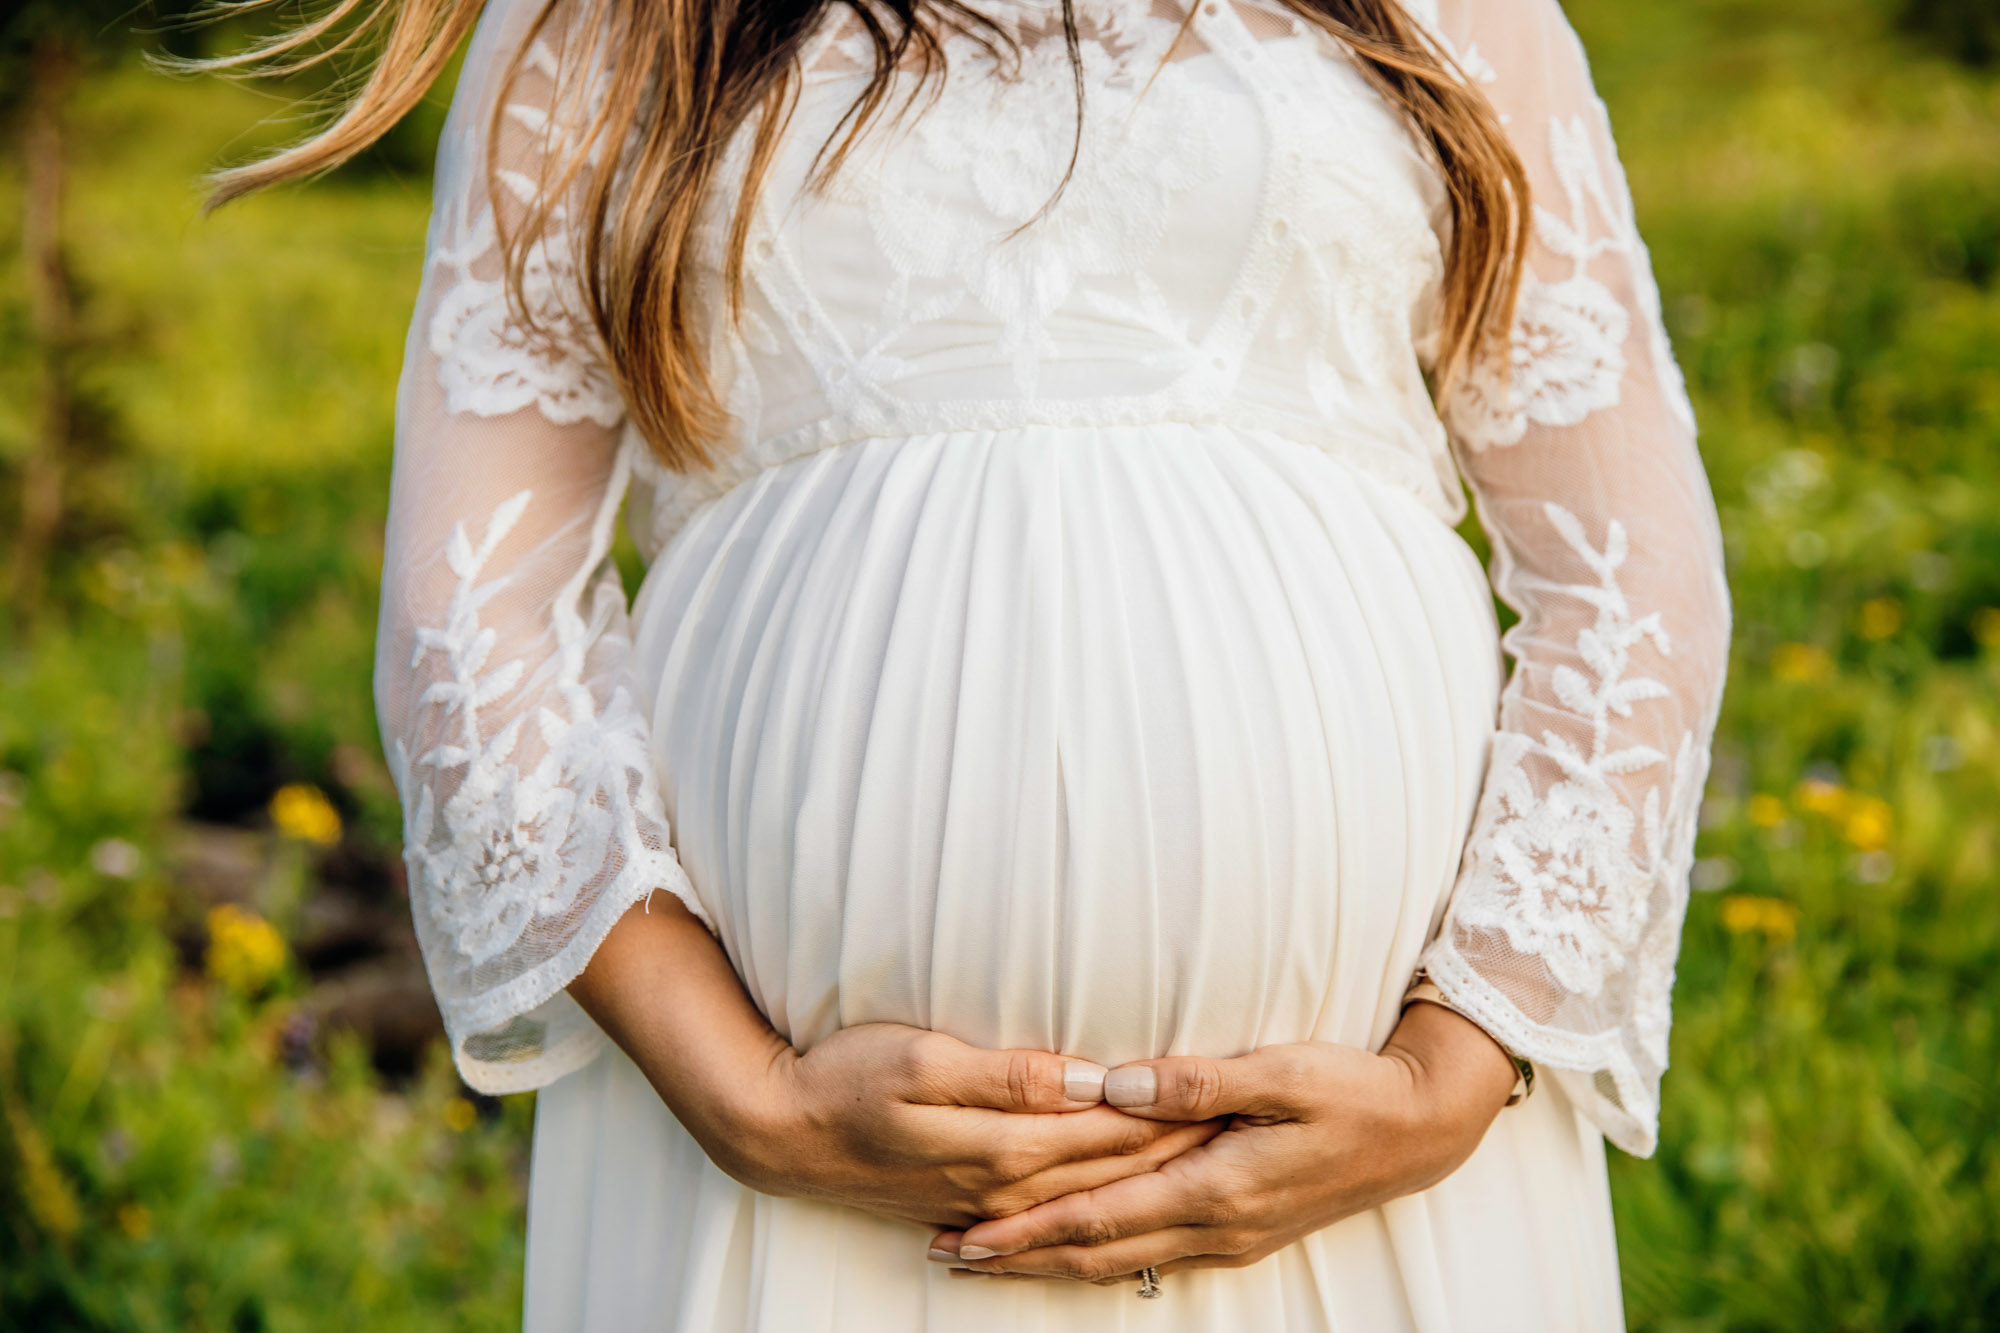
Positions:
{"x": 662, "y": 988}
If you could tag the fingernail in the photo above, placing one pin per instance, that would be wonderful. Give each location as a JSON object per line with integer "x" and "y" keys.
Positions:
{"x": 977, "y": 1252}
{"x": 1135, "y": 1086}
{"x": 938, "y": 1256}
{"x": 1083, "y": 1081}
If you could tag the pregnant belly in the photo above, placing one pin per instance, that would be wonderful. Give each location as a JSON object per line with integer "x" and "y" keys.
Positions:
{"x": 1119, "y": 742}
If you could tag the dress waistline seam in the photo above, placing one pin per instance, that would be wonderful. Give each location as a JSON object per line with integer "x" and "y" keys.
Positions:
{"x": 684, "y": 496}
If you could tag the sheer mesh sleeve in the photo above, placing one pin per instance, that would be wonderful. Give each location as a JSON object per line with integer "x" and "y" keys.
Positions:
{"x": 1562, "y": 931}
{"x": 532, "y": 814}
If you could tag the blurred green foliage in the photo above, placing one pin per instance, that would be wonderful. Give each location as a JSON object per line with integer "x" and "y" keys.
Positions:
{"x": 1820, "y": 184}
{"x": 1969, "y": 29}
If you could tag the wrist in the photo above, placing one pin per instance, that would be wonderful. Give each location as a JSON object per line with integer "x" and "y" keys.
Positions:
{"x": 1425, "y": 989}
{"x": 752, "y": 1119}
{"x": 1461, "y": 1076}
{"x": 662, "y": 989}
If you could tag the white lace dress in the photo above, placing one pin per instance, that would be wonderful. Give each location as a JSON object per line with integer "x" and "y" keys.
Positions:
{"x": 1075, "y": 652}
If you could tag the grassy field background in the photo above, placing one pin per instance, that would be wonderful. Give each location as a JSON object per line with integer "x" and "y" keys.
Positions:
{"x": 215, "y": 1113}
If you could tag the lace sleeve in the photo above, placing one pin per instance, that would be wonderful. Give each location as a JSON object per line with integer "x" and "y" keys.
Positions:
{"x": 1562, "y": 931}
{"x": 532, "y": 814}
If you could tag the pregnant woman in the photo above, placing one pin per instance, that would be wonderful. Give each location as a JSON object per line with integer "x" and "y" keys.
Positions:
{"x": 1044, "y": 423}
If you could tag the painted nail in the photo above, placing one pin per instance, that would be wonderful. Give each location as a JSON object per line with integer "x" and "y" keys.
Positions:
{"x": 977, "y": 1252}
{"x": 1083, "y": 1081}
{"x": 1136, "y": 1086}
{"x": 938, "y": 1256}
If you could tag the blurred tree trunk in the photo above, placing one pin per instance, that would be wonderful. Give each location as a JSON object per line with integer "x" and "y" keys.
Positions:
{"x": 52, "y": 319}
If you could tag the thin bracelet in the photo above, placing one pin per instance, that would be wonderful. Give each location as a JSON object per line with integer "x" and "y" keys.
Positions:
{"x": 1524, "y": 1070}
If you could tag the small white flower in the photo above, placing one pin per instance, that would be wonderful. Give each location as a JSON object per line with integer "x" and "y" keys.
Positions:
{"x": 115, "y": 858}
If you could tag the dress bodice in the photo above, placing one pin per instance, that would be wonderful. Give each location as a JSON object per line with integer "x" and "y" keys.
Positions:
{"x": 1248, "y": 235}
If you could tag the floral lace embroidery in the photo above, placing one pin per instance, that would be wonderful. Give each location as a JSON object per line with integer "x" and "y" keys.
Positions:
{"x": 1559, "y": 872}
{"x": 507, "y": 846}
{"x": 1566, "y": 356}
{"x": 1487, "y": 398}
{"x": 488, "y": 362}
{"x": 1330, "y": 202}
{"x": 990, "y": 136}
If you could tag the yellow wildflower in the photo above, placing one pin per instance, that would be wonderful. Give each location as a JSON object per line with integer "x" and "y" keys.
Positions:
{"x": 1868, "y": 821}
{"x": 135, "y": 1220}
{"x": 1775, "y": 919}
{"x": 1881, "y": 617}
{"x": 1820, "y": 796}
{"x": 303, "y": 812}
{"x": 1766, "y": 811}
{"x": 1986, "y": 626}
{"x": 182, "y": 563}
{"x": 459, "y": 1115}
{"x": 1797, "y": 662}
{"x": 244, "y": 950}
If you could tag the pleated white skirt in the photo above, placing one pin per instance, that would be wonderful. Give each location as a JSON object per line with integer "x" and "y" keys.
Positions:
{"x": 1116, "y": 742}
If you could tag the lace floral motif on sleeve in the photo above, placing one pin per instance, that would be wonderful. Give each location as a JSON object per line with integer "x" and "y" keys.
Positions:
{"x": 535, "y": 811}
{"x": 509, "y": 847}
{"x": 1567, "y": 873}
{"x": 1564, "y": 925}
{"x": 489, "y": 362}
{"x": 1566, "y": 357}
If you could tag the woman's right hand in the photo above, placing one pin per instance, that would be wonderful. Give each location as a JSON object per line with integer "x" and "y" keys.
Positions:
{"x": 893, "y": 1120}
{"x": 916, "y": 1125}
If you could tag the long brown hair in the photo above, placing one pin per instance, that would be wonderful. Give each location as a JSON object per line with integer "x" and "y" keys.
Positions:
{"x": 684, "y": 76}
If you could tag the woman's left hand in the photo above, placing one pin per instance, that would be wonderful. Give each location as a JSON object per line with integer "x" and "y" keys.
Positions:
{"x": 1319, "y": 1132}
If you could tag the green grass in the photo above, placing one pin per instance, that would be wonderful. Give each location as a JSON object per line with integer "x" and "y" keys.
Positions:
{"x": 1822, "y": 197}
